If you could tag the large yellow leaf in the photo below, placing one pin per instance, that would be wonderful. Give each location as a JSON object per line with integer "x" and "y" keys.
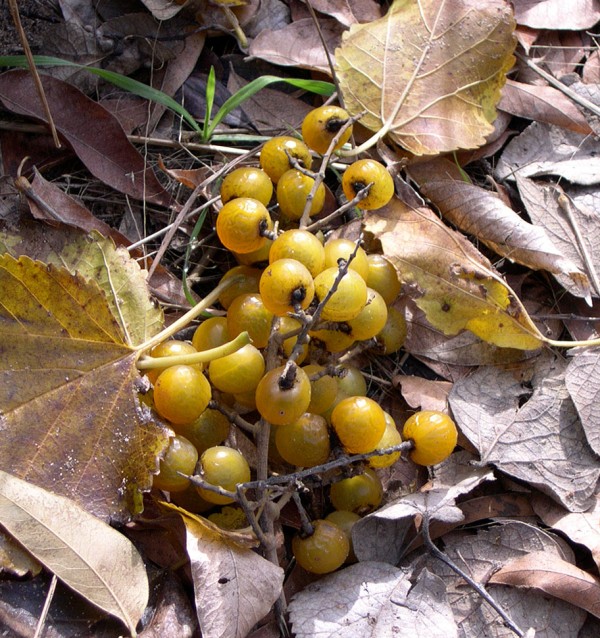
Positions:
{"x": 89, "y": 556}
{"x": 449, "y": 280}
{"x": 69, "y": 413}
{"x": 429, "y": 73}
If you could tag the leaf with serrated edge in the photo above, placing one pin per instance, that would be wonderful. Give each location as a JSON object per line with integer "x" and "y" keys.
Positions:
{"x": 122, "y": 280}
{"x": 449, "y": 279}
{"x": 430, "y": 71}
{"x": 69, "y": 414}
{"x": 86, "y": 554}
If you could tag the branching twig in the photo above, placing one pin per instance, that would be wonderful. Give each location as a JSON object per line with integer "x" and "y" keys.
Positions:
{"x": 432, "y": 548}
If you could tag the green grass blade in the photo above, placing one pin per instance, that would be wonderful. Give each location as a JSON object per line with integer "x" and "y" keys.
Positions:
{"x": 143, "y": 90}
{"x": 314, "y": 86}
{"x": 122, "y": 81}
{"x": 210, "y": 100}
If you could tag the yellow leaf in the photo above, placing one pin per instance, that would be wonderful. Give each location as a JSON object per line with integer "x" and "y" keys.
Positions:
{"x": 69, "y": 413}
{"x": 429, "y": 73}
{"x": 449, "y": 280}
{"x": 89, "y": 556}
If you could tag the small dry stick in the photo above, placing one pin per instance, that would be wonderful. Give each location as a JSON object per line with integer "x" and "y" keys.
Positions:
{"x": 14, "y": 10}
{"x": 39, "y": 630}
{"x": 429, "y": 544}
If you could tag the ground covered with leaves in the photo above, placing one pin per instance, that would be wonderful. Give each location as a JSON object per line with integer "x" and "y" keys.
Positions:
{"x": 114, "y": 140}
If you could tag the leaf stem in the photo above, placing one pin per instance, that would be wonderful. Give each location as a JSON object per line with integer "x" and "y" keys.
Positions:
{"x": 150, "y": 363}
{"x": 190, "y": 315}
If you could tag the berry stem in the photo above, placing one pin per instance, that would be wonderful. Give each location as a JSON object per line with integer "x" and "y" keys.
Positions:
{"x": 189, "y": 316}
{"x": 150, "y": 363}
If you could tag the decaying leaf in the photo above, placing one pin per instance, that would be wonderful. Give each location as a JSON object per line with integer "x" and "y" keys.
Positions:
{"x": 347, "y": 604}
{"x": 543, "y": 104}
{"x": 234, "y": 586}
{"x": 541, "y": 441}
{"x": 579, "y": 527}
{"x": 552, "y": 575}
{"x": 429, "y": 73}
{"x": 86, "y": 554}
{"x": 70, "y": 418}
{"x": 449, "y": 279}
{"x": 582, "y": 379}
{"x": 424, "y": 611}
{"x": 574, "y": 227}
{"x": 542, "y": 149}
{"x": 484, "y": 215}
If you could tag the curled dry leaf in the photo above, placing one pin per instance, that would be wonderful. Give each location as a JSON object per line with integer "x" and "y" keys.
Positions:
{"x": 69, "y": 412}
{"x": 551, "y": 575}
{"x": 400, "y": 70}
{"x": 483, "y": 214}
{"x": 543, "y": 104}
{"x": 540, "y": 442}
{"x": 450, "y": 280}
{"x": 348, "y": 603}
{"x": 579, "y": 527}
{"x": 234, "y": 587}
{"x": 86, "y": 554}
{"x": 543, "y": 149}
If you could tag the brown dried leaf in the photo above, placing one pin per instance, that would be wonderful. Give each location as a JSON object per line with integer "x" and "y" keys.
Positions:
{"x": 423, "y": 394}
{"x": 62, "y": 350}
{"x": 357, "y": 595}
{"x": 429, "y": 73}
{"x": 449, "y": 279}
{"x": 542, "y": 149}
{"x": 89, "y": 556}
{"x": 234, "y": 587}
{"x": 543, "y": 104}
{"x": 551, "y": 14}
{"x": 574, "y": 228}
{"x": 298, "y": 44}
{"x": 380, "y": 536}
{"x": 582, "y": 379}
{"x": 349, "y": 11}
{"x": 92, "y": 132}
{"x": 483, "y": 214}
{"x": 551, "y": 575}
{"x": 579, "y": 527}
{"x": 540, "y": 442}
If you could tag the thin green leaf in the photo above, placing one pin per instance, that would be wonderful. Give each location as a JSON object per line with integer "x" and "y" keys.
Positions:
{"x": 314, "y": 86}
{"x": 210, "y": 100}
{"x": 137, "y": 88}
{"x": 122, "y": 81}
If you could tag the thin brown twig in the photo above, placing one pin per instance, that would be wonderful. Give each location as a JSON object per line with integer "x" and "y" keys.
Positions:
{"x": 433, "y": 549}
{"x": 14, "y": 11}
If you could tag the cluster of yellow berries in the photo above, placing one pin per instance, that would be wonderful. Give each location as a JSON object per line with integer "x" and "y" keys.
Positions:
{"x": 311, "y": 300}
